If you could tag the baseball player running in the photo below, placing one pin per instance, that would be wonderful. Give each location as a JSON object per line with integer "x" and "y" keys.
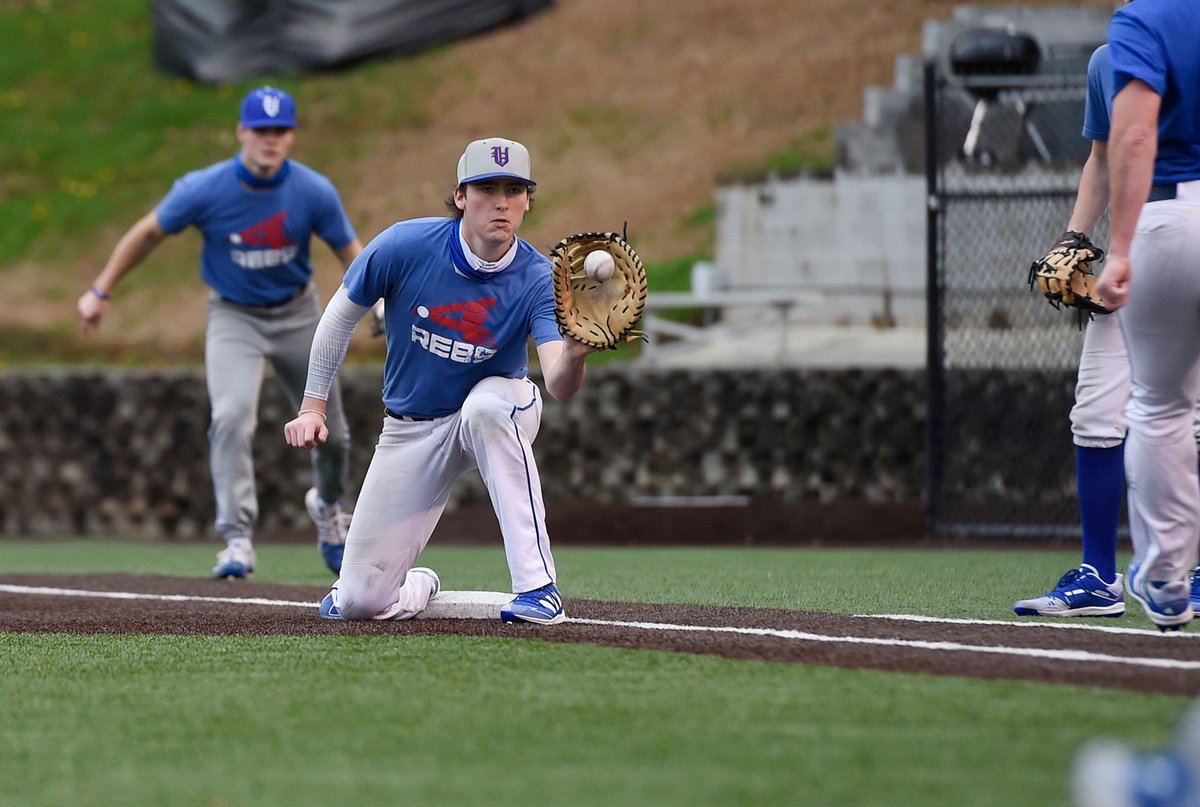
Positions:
{"x": 1098, "y": 426}
{"x": 1153, "y": 277}
{"x": 257, "y": 213}
{"x": 463, "y": 295}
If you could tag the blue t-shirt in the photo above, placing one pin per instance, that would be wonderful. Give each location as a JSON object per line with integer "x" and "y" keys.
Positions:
{"x": 256, "y": 242}
{"x": 1097, "y": 111}
{"x": 449, "y": 327}
{"x": 1158, "y": 42}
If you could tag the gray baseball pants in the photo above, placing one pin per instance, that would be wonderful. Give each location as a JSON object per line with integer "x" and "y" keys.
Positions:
{"x": 239, "y": 340}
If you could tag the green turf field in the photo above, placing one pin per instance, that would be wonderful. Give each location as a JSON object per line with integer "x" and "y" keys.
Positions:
{"x": 157, "y": 720}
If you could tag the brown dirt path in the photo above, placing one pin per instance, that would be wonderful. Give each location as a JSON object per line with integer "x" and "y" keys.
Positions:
{"x": 874, "y": 643}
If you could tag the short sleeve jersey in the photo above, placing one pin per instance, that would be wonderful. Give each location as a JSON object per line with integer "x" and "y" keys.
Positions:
{"x": 1158, "y": 43}
{"x": 1097, "y": 110}
{"x": 446, "y": 329}
{"x": 256, "y": 242}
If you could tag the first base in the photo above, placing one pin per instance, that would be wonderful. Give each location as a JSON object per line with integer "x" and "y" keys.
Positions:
{"x": 466, "y": 605}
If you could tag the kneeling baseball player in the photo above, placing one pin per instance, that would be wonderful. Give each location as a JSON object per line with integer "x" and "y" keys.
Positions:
{"x": 463, "y": 295}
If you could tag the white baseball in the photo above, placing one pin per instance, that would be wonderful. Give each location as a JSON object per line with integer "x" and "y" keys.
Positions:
{"x": 599, "y": 265}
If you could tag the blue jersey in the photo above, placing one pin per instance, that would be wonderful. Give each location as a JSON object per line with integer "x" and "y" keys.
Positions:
{"x": 1097, "y": 111}
{"x": 256, "y": 242}
{"x": 1158, "y": 42}
{"x": 449, "y": 327}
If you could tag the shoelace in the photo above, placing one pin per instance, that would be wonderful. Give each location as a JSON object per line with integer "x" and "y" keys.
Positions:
{"x": 1070, "y": 577}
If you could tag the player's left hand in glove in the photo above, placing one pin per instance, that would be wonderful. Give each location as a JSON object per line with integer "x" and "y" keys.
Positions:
{"x": 597, "y": 311}
{"x": 1064, "y": 275}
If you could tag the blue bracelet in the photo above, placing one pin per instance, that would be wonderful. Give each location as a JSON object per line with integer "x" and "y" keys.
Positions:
{"x": 103, "y": 295}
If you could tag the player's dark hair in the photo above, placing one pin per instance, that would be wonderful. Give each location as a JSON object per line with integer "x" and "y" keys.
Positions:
{"x": 452, "y": 208}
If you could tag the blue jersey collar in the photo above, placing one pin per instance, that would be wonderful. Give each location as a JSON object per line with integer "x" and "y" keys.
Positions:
{"x": 258, "y": 183}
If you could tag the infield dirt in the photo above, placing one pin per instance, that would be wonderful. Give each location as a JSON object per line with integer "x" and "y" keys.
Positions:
{"x": 1132, "y": 660}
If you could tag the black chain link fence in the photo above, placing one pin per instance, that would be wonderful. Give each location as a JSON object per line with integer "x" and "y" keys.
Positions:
{"x": 1004, "y": 156}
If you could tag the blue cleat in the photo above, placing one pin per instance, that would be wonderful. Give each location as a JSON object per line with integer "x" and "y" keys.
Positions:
{"x": 332, "y": 525}
{"x": 235, "y": 561}
{"x": 328, "y": 609}
{"x": 1194, "y": 597}
{"x": 1079, "y": 592}
{"x": 1166, "y": 603}
{"x": 542, "y": 605}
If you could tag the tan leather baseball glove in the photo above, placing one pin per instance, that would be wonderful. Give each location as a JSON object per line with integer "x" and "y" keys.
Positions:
{"x": 1064, "y": 275}
{"x": 593, "y": 306}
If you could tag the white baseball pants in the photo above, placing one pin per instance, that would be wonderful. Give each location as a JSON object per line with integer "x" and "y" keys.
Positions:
{"x": 409, "y": 481}
{"x": 1162, "y": 330}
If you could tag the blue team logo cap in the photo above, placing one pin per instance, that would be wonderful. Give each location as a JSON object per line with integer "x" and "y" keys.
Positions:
{"x": 268, "y": 106}
{"x": 494, "y": 158}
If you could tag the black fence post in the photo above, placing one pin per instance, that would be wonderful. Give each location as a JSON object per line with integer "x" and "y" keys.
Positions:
{"x": 934, "y": 371}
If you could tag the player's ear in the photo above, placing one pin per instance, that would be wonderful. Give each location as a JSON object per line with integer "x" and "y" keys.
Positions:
{"x": 460, "y": 197}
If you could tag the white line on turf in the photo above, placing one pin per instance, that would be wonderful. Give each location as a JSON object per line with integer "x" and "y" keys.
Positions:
{"x": 128, "y": 595}
{"x": 1030, "y": 652}
{"x": 1059, "y": 655}
{"x": 1038, "y": 623}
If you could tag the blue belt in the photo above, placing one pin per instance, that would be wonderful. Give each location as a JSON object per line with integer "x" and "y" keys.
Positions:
{"x": 409, "y": 418}
{"x": 1161, "y": 193}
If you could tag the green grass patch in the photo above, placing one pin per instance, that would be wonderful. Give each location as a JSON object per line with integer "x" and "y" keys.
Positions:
{"x": 811, "y": 152}
{"x": 468, "y": 720}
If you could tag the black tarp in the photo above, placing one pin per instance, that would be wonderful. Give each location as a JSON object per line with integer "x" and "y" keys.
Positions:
{"x": 219, "y": 40}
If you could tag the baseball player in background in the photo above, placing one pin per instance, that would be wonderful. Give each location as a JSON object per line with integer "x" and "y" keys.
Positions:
{"x": 1153, "y": 277}
{"x": 463, "y": 296}
{"x": 1098, "y": 426}
{"x": 257, "y": 213}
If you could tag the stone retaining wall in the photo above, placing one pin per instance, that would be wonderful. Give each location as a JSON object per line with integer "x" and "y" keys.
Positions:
{"x": 116, "y": 451}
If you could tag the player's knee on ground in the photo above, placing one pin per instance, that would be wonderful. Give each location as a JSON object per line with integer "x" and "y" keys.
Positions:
{"x": 363, "y": 593}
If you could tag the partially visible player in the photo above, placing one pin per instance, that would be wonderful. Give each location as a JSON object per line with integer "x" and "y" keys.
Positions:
{"x": 1094, "y": 588}
{"x": 257, "y": 212}
{"x": 1098, "y": 426}
{"x": 1153, "y": 276}
{"x": 463, "y": 296}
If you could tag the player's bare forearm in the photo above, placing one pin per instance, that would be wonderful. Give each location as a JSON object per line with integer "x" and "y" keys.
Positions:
{"x": 1132, "y": 147}
{"x": 564, "y": 366}
{"x": 348, "y": 253}
{"x": 1092, "y": 197}
{"x": 138, "y": 242}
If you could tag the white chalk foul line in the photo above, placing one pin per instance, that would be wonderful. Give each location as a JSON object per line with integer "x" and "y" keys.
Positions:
{"x": 128, "y": 595}
{"x": 1034, "y": 623}
{"x": 1028, "y": 652}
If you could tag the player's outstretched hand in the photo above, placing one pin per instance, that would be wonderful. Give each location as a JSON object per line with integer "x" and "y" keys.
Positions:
{"x": 91, "y": 310}
{"x": 306, "y": 430}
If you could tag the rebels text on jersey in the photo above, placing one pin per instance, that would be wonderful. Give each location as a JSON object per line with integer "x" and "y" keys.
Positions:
{"x": 447, "y": 328}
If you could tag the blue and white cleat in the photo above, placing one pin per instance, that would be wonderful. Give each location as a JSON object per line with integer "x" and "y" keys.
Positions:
{"x": 235, "y": 561}
{"x": 1194, "y": 597}
{"x": 1166, "y": 603}
{"x": 332, "y": 525}
{"x": 542, "y": 605}
{"x": 1079, "y": 592}
{"x": 328, "y": 609}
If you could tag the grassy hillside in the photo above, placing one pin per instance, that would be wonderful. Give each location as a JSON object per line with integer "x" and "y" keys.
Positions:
{"x": 631, "y": 109}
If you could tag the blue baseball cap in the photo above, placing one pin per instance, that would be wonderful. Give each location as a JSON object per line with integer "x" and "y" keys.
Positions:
{"x": 268, "y": 106}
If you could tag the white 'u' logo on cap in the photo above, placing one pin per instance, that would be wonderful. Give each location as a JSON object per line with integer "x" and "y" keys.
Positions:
{"x": 271, "y": 105}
